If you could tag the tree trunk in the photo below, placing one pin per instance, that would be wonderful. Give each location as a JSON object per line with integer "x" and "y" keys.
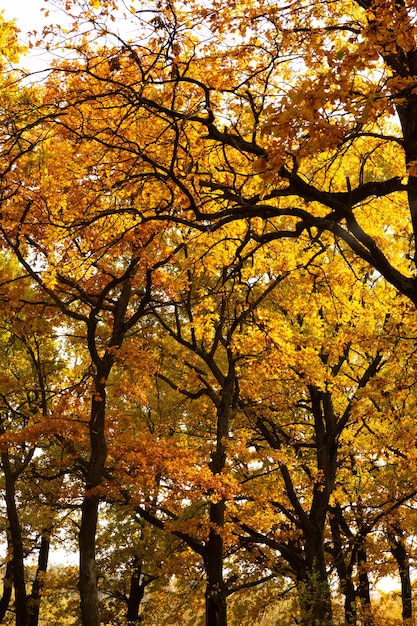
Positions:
{"x": 216, "y": 605}
{"x": 87, "y": 584}
{"x": 314, "y": 592}
{"x": 363, "y": 592}
{"x": 16, "y": 542}
{"x": 399, "y": 552}
{"x": 88, "y": 577}
{"x": 350, "y": 602}
{"x": 216, "y": 608}
{"x": 136, "y": 593}
{"x": 89, "y": 599}
{"x": 37, "y": 587}
{"x": 316, "y": 604}
{"x": 7, "y": 591}
{"x": 344, "y": 571}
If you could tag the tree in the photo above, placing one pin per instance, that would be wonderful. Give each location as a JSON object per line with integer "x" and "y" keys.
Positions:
{"x": 304, "y": 413}
{"x": 193, "y": 416}
{"x": 286, "y": 128}
{"x": 99, "y": 278}
{"x": 317, "y": 155}
{"x": 28, "y": 386}
{"x": 301, "y": 380}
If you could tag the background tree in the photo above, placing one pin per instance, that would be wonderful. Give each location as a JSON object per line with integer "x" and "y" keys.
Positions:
{"x": 90, "y": 275}
{"x": 28, "y": 389}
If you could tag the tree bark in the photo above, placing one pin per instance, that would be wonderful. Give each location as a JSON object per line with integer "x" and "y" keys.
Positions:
{"x": 314, "y": 591}
{"x": 216, "y": 608}
{"x": 399, "y": 552}
{"x": 363, "y": 592}
{"x": 216, "y": 604}
{"x": 36, "y": 595}
{"x": 89, "y": 599}
{"x": 7, "y": 591}
{"x": 138, "y": 584}
{"x": 16, "y": 542}
{"x": 316, "y": 603}
{"x": 344, "y": 570}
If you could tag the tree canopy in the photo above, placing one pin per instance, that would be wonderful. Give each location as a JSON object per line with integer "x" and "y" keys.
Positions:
{"x": 207, "y": 313}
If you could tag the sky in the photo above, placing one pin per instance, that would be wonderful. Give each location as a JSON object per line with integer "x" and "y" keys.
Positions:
{"x": 27, "y": 12}
{"x": 29, "y": 17}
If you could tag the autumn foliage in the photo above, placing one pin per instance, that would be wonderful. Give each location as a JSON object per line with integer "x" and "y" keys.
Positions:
{"x": 207, "y": 314}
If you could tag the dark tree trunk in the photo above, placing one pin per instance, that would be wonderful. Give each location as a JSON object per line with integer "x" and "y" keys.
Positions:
{"x": 350, "y": 602}
{"x": 87, "y": 584}
{"x": 216, "y": 609}
{"x": 407, "y": 113}
{"x": 312, "y": 581}
{"x": 7, "y": 591}
{"x": 88, "y": 577}
{"x": 138, "y": 584}
{"x": 90, "y": 506}
{"x": 363, "y": 591}
{"x": 37, "y": 587}
{"x": 316, "y": 605}
{"x": 399, "y": 552}
{"x": 216, "y": 604}
{"x": 16, "y": 542}
{"x": 314, "y": 592}
{"x": 344, "y": 571}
